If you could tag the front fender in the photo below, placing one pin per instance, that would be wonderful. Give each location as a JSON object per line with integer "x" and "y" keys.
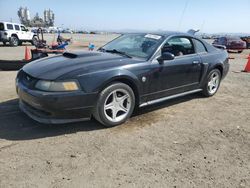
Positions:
{"x": 103, "y": 78}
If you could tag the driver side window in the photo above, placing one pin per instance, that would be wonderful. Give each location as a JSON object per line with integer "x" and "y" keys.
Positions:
{"x": 179, "y": 46}
{"x": 23, "y": 28}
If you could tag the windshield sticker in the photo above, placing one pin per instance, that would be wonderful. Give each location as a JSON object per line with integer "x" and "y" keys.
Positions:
{"x": 157, "y": 37}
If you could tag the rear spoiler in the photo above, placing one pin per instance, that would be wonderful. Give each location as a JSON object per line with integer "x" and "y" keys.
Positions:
{"x": 220, "y": 46}
{"x": 192, "y": 31}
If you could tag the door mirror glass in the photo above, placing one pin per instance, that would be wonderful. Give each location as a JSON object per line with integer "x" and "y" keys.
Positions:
{"x": 165, "y": 56}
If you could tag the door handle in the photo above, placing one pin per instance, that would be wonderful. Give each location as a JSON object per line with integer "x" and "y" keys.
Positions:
{"x": 196, "y": 62}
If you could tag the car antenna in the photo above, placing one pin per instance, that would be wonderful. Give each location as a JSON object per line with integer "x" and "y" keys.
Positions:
{"x": 182, "y": 14}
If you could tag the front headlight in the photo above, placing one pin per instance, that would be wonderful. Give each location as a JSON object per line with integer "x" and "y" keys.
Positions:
{"x": 57, "y": 86}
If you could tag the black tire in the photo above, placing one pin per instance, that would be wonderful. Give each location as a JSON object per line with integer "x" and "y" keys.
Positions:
{"x": 205, "y": 89}
{"x": 99, "y": 111}
{"x": 14, "y": 41}
{"x": 34, "y": 40}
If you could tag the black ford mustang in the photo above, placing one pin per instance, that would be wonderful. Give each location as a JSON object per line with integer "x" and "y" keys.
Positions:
{"x": 134, "y": 70}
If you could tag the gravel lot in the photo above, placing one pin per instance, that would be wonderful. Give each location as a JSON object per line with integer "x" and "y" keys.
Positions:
{"x": 186, "y": 142}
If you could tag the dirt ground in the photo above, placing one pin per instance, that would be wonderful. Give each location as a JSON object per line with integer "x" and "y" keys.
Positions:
{"x": 186, "y": 142}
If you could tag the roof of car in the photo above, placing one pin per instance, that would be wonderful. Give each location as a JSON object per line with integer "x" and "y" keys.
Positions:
{"x": 10, "y": 23}
{"x": 168, "y": 33}
{"x": 164, "y": 33}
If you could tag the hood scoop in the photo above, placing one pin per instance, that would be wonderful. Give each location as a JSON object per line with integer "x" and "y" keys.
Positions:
{"x": 70, "y": 55}
{"x": 80, "y": 54}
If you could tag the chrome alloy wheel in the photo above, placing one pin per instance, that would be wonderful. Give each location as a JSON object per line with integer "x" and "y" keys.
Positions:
{"x": 213, "y": 83}
{"x": 117, "y": 105}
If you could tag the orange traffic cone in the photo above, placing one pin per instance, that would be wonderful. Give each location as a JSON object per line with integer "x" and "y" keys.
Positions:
{"x": 27, "y": 54}
{"x": 247, "y": 68}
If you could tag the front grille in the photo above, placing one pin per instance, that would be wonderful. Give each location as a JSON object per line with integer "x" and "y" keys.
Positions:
{"x": 26, "y": 79}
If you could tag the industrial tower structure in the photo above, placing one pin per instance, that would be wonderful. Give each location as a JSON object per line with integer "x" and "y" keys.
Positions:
{"x": 37, "y": 21}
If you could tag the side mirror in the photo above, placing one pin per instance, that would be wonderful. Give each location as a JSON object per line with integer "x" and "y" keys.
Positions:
{"x": 165, "y": 56}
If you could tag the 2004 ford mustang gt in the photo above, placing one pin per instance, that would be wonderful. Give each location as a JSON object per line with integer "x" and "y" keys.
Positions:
{"x": 134, "y": 70}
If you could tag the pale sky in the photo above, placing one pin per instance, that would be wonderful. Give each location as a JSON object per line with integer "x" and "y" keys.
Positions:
{"x": 210, "y": 16}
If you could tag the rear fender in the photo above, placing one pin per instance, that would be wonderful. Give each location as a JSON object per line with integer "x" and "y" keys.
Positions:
{"x": 204, "y": 73}
{"x": 208, "y": 67}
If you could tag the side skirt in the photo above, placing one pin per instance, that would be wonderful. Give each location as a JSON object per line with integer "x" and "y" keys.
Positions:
{"x": 169, "y": 97}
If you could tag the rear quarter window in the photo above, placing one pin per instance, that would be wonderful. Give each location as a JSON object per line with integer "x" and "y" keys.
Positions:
{"x": 200, "y": 48}
{"x": 10, "y": 26}
{"x": 1, "y": 26}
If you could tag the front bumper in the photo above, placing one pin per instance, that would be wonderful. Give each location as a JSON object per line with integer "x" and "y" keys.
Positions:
{"x": 56, "y": 107}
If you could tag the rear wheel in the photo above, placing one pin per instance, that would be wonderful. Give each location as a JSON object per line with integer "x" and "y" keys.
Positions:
{"x": 212, "y": 84}
{"x": 34, "y": 40}
{"x": 115, "y": 105}
{"x": 14, "y": 41}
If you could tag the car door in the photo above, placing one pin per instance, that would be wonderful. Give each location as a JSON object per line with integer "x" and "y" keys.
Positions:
{"x": 17, "y": 30}
{"x": 23, "y": 34}
{"x": 178, "y": 75}
{"x": 26, "y": 34}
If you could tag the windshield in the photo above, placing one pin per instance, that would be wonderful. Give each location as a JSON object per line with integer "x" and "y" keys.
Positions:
{"x": 234, "y": 39}
{"x": 135, "y": 45}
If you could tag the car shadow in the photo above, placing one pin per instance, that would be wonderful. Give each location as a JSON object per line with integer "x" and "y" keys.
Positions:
{"x": 166, "y": 104}
{"x": 15, "y": 125}
{"x": 8, "y": 45}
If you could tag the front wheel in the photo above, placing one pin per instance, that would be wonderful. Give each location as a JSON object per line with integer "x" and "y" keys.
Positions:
{"x": 34, "y": 40}
{"x": 115, "y": 104}
{"x": 212, "y": 84}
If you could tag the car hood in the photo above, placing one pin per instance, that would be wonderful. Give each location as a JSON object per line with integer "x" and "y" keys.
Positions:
{"x": 84, "y": 62}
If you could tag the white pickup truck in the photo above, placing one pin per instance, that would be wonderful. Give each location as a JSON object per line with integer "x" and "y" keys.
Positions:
{"x": 16, "y": 34}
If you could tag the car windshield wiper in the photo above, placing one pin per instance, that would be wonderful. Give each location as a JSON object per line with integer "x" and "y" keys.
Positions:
{"x": 117, "y": 52}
